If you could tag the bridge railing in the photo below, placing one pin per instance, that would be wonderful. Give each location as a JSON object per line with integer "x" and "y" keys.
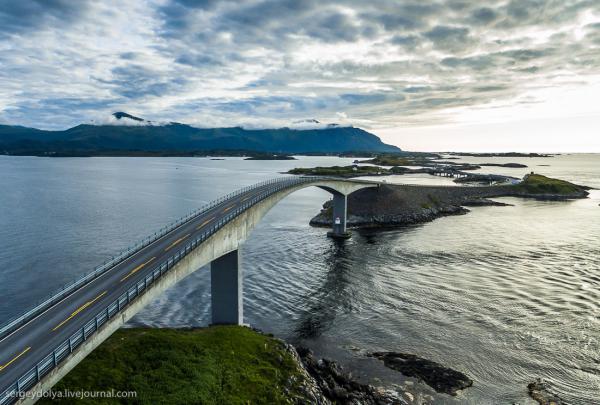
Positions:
{"x": 62, "y": 351}
{"x": 69, "y": 288}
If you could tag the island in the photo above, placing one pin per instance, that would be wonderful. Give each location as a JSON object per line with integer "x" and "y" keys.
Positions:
{"x": 270, "y": 156}
{"x": 458, "y": 171}
{"x": 503, "y": 154}
{"x": 398, "y": 205}
{"x": 511, "y": 165}
{"x": 429, "y": 161}
{"x": 342, "y": 171}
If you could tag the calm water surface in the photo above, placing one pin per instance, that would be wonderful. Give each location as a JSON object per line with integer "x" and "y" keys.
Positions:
{"x": 505, "y": 294}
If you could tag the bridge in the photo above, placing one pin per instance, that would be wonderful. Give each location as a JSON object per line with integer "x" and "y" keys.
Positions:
{"x": 41, "y": 346}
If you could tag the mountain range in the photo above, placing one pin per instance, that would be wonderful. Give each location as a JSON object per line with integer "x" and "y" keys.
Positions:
{"x": 128, "y": 134}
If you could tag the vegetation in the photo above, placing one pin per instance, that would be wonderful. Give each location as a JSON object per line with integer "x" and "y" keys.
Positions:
{"x": 538, "y": 184}
{"x": 390, "y": 160}
{"x": 505, "y": 154}
{"x": 399, "y": 153}
{"x": 216, "y": 365}
{"x": 270, "y": 156}
{"x": 175, "y": 138}
{"x": 342, "y": 171}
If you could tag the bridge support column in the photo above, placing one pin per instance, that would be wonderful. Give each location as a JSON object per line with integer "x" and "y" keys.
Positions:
{"x": 226, "y": 290}
{"x": 340, "y": 208}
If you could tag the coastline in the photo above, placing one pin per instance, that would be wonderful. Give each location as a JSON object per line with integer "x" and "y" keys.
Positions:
{"x": 237, "y": 364}
{"x": 398, "y": 205}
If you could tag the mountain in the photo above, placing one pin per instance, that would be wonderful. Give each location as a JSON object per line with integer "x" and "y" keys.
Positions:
{"x": 175, "y": 138}
{"x": 120, "y": 114}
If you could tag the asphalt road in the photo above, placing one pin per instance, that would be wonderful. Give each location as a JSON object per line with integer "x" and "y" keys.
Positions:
{"x": 28, "y": 345}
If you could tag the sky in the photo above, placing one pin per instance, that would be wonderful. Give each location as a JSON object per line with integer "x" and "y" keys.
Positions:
{"x": 521, "y": 75}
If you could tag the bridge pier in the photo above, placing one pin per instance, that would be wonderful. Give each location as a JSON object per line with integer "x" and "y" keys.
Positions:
{"x": 340, "y": 208}
{"x": 226, "y": 290}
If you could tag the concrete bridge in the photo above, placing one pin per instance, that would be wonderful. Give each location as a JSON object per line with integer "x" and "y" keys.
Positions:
{"x": 38, "y": 348}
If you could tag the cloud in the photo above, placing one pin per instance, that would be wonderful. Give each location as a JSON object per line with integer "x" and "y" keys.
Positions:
{"x": 484, "y": 15}
{"x": 273, "y": 62}
{"x": 449, "y": 38}
{"x": 19, "y": 17}
{"x": 134, "y": 81}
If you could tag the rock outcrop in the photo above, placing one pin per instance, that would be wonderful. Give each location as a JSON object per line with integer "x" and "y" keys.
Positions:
{"x": 398, "y": 205}
{"x": 538, "y": 391}
{"x": 440, "y": 378}
{"x": 340, "y": 388}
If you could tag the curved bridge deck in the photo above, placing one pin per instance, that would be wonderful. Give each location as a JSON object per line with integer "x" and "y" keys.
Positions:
{"x": 36, "y": 346}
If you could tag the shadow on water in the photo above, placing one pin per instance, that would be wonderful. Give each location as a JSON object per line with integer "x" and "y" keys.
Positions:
{"x": 346, "y": 273}
{"x": 332, "y": 296}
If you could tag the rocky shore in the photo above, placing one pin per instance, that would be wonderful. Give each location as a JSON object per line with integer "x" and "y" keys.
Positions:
{"x": 440, "y": 378}
{"x": 539, "y": 391}
{"x": 327, "y": 382}
{"x": 236, "y": 364}
{"x": 397, "y": 205}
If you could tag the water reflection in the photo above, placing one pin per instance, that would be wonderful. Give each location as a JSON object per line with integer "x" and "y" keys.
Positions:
{"x": 332, "y": 296}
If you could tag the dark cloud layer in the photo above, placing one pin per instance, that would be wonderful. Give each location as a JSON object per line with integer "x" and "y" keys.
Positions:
{"x": 267, "y": 62}
{"x": 20, "y": 17}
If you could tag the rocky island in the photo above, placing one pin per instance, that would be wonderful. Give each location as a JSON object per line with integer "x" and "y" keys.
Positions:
{"x": 395, "y": 164}
{"x": 270, "y": 156}
{"x": 396, "y": 205}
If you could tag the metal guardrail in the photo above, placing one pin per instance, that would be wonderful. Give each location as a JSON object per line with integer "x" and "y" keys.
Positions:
{"x": 61, "y": 352}
{"x": 67, "y": 289}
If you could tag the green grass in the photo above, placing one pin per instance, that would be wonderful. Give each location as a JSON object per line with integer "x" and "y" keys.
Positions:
{"x": 216, "y": 365}
{"x": 538, "y": 184}
{"x": 339, "y": 170}
{"x": 387, "y": 160}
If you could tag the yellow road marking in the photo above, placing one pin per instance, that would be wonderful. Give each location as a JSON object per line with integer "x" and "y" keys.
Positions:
{"x": 205, "y": 222}
{"x": 138, "y": 268}
{"x": 177, "y": 241}
{"x": 78, "y": 310}
{"x": 244, "y": 199}
{"x": 228, "y": 208}
{"x": 14, "y": 358}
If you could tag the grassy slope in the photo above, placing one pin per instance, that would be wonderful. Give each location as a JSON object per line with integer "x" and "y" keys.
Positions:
{"x": 538, "y": 184}
{"x": 216, "y": 365}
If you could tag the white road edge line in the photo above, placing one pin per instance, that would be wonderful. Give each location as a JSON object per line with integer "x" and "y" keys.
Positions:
{"x": 92, "y": 281}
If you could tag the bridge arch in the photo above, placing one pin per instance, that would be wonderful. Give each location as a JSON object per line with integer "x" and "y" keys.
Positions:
{"x": 226, "y": 271}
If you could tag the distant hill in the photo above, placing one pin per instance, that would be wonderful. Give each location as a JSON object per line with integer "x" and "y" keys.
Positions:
{"x": 137, "y": 136}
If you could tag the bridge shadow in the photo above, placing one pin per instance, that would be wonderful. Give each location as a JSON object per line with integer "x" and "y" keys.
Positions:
{"x": 335, "y": 295}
